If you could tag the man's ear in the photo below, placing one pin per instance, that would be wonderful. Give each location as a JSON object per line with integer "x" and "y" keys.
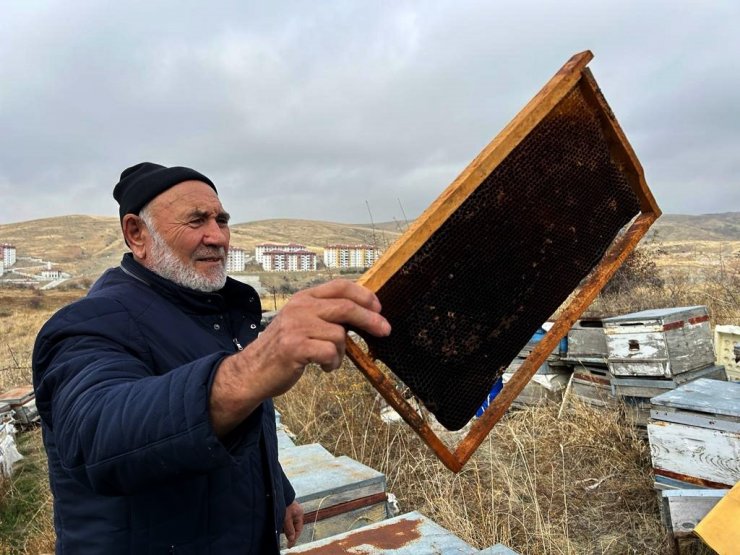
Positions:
{"x": 134, "y": 233}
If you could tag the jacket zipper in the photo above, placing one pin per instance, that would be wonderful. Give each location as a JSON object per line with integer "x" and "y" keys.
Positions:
{"x": 238, "y": 345}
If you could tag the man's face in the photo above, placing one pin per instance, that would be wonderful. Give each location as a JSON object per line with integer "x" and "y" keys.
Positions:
{"x": 190, "y": 239}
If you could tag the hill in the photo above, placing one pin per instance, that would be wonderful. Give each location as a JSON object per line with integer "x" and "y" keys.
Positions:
{"x": 707, "y": 227}
{"x": 86, "y": 245}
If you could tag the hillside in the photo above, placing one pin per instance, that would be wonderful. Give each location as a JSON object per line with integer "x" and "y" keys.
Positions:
{"x": 707, "y": 227}
{"x": 86, "y": 245}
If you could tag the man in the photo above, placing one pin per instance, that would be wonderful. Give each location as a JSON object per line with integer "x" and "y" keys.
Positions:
{"x": 155, "y": 389}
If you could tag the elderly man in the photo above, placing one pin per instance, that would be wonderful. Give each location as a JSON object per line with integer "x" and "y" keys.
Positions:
{"x": 155, "y": 389}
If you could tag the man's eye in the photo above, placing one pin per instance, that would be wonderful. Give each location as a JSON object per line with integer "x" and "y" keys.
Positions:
{"x": 196, "y": 222}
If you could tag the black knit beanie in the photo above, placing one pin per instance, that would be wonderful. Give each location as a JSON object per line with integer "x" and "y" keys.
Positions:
{"x": 141, "y": 183}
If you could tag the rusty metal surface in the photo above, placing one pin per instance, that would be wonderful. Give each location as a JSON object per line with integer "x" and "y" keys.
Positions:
{"x": 408, "y": 534}
{"x": 559, "y": 213}
{"x": 689, "y": 479}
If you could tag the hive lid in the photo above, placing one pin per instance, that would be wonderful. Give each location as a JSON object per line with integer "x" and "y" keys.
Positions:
{"x": 545, "y": 214}
{"x": 703, "y": 395}
{"x": 658, "y": 314}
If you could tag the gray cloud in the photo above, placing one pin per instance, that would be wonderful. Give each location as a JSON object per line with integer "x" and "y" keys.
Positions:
{"x": 317, "y": 110}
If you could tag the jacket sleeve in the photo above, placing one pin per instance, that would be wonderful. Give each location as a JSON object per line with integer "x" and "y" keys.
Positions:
{"x": 288, "y": 491}
{"x": 119, "y": 426}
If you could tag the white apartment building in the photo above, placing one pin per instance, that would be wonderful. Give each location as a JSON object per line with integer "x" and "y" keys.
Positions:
{"x": 8, "y": 251}
{"x": 53, "y": 274}
{"x": 2, "y": 267}
{"x": 262, "y": 248}
{"x": 350, "y": 256}
{"x": 289, "y": 261}
{"x": 236, "y": 260}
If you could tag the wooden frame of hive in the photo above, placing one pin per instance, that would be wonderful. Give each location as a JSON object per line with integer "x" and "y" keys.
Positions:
{"x": 572, "y": 77}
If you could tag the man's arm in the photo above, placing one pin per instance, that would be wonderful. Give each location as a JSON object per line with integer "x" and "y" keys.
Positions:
{"x": 309, "y": 329}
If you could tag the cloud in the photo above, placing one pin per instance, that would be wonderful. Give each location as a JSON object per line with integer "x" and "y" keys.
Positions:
{"x": 319, "y": 110}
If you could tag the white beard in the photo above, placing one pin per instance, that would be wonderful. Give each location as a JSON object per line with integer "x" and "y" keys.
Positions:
{"x": 165, "y": 263}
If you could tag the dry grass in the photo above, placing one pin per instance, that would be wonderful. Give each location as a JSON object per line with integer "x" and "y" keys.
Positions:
{"x": 22, "y": 313}
{"x": 580, "y": 484}
{"x": 540, "y": 484}
{"x": 26, "y": 525}
{"x": 721, "y": 296}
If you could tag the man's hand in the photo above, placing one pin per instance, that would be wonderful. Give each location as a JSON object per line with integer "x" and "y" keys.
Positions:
{"x": 293, "y": 522}
{"x": 309, "y": 328}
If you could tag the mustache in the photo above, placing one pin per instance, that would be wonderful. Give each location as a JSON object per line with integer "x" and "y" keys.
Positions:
{"x": 209, "y": 252}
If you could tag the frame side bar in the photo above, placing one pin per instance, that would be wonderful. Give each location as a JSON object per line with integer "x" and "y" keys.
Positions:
{"x": 619, "y": 144}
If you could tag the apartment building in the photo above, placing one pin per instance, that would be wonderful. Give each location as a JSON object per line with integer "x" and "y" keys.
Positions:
{"x": 262, "y": 248}
{"x": 8, "y": 254}
{"x": 236, "y": 259}
{"x": 289, "y": 261}
{"x": 350, "y": 256}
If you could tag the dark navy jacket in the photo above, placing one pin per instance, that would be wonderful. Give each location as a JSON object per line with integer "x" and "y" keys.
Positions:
{"x": 122, "y": 381}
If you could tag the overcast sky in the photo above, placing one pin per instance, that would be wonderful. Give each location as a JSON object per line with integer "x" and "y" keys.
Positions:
{"x": 321, "y": 110}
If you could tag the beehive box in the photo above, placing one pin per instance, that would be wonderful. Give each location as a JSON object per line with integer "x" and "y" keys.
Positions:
{"x": 648, "y": 387}
{"x": 23, "y": 404}
{"x": 408, "y": 534}
{"x": 592, "y": 385}
{"x": 681, "y": 510}
{"x": 660, "y": 342}
{"x": 555, "y": 355}
{"x": 17, "y": 396}
{"x": 541, "y": 390}
{"x": 587, "y": 342}
{"x": 338, "y": 494}
{"x": 727, "y": 347}
{"x": 694, "y": 433}
{"x": 637, "y": 411}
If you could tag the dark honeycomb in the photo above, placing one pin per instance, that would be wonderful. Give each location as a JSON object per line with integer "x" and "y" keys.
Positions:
{"x": 472, "y": 296}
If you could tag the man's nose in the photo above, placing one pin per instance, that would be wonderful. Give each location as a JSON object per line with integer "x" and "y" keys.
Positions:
{"x": 216, "y": 234}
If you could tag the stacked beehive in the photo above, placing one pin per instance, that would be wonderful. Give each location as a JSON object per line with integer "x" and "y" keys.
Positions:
{"x": 548, "y": 384}
{"x": 587, "y": 353}
{"x": 22, "y": 403}
{"x": 654, "y": 351}
{"x": 694, "y": 434}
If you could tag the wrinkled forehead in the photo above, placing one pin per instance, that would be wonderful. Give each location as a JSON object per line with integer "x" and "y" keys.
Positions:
{"x": 186, "y": 198}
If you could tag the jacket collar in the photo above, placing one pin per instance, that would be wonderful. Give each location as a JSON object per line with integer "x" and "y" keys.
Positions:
{"x": 232, "y": 294}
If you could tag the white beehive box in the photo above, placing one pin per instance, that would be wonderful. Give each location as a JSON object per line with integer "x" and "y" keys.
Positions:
{"x": 694, "y": 433}
{"x": 661, "y": 342}
{"x": 727, "y": 347}
{"x": 337, "y": 493}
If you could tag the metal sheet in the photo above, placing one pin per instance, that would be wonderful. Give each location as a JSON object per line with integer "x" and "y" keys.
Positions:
{"x": 409, "y": 534}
